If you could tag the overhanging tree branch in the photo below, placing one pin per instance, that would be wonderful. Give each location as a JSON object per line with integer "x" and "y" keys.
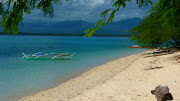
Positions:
{"x": 111, "y": 12}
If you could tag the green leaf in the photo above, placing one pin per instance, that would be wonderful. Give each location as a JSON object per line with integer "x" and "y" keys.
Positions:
{"x": 99, "y": 22}
{"x": 104, "y": 13}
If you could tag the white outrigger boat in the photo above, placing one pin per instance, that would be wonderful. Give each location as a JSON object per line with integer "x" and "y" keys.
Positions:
{"x": 41, "y": 55}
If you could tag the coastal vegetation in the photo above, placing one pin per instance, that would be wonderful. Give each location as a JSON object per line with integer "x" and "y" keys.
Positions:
{"x": 160, "y": 28}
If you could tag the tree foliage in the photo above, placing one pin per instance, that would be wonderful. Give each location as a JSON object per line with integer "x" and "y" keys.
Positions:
{"x": 12, "y": 11}
{"x": 109, "y": 15}
{"x": 161, "y": 27}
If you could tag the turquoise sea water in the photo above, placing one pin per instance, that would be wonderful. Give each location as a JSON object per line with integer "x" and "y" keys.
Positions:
{"x": 20, "y": 78}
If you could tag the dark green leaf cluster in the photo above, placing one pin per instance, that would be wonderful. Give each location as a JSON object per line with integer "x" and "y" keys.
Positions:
{"x": 1, "y": 8}
{"x": 111, "y": 14}
{"x": 13, "y": 14}
{"x": 160, "y": 27}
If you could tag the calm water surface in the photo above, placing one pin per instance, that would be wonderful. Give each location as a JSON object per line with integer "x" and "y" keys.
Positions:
{"x": 20, "y": 78}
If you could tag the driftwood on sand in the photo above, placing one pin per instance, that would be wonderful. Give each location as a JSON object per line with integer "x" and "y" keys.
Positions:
{"x": 162, "y": 93}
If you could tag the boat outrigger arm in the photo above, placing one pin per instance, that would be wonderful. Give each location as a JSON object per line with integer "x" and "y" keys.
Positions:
{"x": 24, "y": 55}
{"x": 40, "y": 55}
{"x": 54, "y": 57}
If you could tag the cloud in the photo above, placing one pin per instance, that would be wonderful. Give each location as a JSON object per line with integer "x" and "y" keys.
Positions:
{"x": 94, "y": 3}
{"x": 87, "y": 10}
{"x": 91, "y": 3}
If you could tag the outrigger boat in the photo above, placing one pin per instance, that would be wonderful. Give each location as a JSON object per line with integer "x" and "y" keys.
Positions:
{"x": 137, "y": 46}
{"x": 41, "y": 55}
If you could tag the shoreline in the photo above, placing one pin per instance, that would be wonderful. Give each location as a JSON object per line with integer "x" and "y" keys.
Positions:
{"x": 87, "y": 72}
{"x": 85, "y": 86}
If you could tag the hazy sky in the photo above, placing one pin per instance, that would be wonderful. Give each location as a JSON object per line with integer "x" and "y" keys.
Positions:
{"x": 86, "y": 10}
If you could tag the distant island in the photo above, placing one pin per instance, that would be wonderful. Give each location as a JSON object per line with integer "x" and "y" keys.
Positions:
{"x": 76, "y": 28}
{"x": 66, "y": 34}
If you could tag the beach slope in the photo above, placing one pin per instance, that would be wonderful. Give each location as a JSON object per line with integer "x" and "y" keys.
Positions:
{"x": 127, "y": 79}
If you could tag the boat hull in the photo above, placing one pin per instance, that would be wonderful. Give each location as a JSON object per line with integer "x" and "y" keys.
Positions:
{"x": 48, "y": 57}
{"x": 137, "y": 46}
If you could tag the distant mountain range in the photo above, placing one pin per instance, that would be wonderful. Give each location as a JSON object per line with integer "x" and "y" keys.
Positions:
{"x": 78, "y": 27}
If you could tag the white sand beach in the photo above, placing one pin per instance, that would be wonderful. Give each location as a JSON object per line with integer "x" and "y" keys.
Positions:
{"x": 127, "y": 79}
